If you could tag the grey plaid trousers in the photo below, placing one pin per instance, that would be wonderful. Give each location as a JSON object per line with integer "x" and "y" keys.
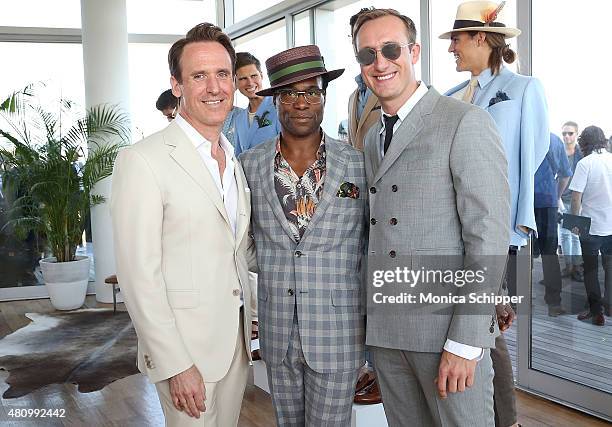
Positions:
{"x": 303, "y": 397}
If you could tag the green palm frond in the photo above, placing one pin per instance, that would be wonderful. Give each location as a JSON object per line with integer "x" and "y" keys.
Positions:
{"x": 99, "y": 165}
{"x": 49, "y": 170}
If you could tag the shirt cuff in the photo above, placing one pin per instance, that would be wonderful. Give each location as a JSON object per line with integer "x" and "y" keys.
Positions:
{"x": 463, "y": 350}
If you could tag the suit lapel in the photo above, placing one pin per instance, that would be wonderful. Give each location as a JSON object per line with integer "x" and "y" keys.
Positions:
{"x": 497, "y": 83}
{"x": 266, "y": 172}
{"x": 371, "y": 149}
{"x": 335, "y": 166}
{"x": 353, "y": 116}
{"x": 188, "y": 158}
{"x": 408, "y": 131}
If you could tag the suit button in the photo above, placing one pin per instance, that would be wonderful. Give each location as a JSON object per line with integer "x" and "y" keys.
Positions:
{"x": 372, "y": 190}
{"x": 290, "y": 292}
{"x": 394, "y": 188}
{"x": 393, "y": 221}
{"x": 373, "y": 221}
{"x": 236, "y": 292}
{"x": 298, "y": 254}
{"x": 392, "y": 254}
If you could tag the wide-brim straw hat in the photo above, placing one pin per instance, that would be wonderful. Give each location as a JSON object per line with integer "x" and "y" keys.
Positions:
{"x": 483, "y": 16}
{"x": 294, "y": 65}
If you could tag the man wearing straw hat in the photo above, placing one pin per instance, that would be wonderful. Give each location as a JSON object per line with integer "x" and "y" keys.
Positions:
{"x": 518, "y": 106}
{"x": 516, "y": 103}
{"x": 309, "y": 214}
{"x": 439, "y": 200}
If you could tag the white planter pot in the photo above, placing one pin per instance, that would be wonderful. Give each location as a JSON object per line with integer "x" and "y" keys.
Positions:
{"x": 66, "y": 281}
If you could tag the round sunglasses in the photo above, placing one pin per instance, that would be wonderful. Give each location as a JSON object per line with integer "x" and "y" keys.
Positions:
{"x": 391, "y": 51}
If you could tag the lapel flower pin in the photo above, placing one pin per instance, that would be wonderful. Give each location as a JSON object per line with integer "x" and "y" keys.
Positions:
{"x": 263, "y": 121}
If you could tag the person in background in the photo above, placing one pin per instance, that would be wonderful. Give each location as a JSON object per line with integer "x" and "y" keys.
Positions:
{"x": 363, "y": 106}
{"x": 518, "y": 106}
{"x": 551, "y": 179}
{"x": 167, "y": 103}
{"x": 591, "y": 189}
{"x": 363, "y": 113}
{"x": 570, "y": 242}
{"x": 259, "y": 121}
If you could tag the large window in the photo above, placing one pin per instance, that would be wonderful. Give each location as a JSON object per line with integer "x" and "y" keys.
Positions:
{"x": 243, "y": 9}
{"x": 443, "y": 73}
{"x": 149, "y": 77}
{"x": 575, "y": 72}
{"x": 332, "y": 35}
{"x": 572, "y": 62}
{"x": 41, "y": 13}
{"x": 58, "y": 65}
{"x": 262, "y": 43}
{"x": 60, "y": 68}
{"x": 168, "y": 17}
{"x": 301, "y": 29}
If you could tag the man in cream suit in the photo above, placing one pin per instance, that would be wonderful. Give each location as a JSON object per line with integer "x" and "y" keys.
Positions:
{"x": 181, "y": 210}
{"x": 439, "y": 201}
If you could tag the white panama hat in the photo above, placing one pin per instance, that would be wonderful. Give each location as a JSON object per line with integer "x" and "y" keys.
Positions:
{"x": 481, "y": 16}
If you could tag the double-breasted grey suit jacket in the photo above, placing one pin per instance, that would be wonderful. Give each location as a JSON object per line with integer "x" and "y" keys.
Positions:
{"x": 439, "y": 199}
{"x": 318, "y": 277}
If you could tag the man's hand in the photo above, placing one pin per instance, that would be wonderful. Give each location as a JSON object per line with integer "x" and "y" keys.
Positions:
{"x": 454, "y": 374}
{"x": 188, "y": 392}
{"x": 505, "y": 316}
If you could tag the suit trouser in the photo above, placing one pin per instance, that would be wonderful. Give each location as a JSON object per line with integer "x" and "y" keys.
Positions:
{"x": 304, "y": 397}
{"x": 410, "y": 396}
{"x": 503, "y": 384}
{"x": 223, "y": 398}
{"x": 547, "y": 242}
{"x": 591, "y": 246}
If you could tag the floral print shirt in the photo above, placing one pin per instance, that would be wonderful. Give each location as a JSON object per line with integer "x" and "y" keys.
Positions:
{"x": 299, "y": 196}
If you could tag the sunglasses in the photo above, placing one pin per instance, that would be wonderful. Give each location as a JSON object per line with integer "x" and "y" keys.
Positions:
{"x": 391, "y": 51}
{"x": 567, "y": 133}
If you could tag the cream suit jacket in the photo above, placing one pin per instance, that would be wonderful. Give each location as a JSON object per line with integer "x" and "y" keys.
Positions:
{"x": 180, "y": 268}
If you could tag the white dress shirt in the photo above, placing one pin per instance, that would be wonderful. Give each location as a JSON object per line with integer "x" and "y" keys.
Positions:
{"x": 462, "y": 350}
{"x": 593, "y": 178}
{"x": 228, "y": 189}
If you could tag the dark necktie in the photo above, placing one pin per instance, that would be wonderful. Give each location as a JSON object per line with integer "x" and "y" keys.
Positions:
{"x": 389, "y": 123}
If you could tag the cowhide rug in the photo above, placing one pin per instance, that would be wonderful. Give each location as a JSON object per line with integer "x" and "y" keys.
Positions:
{"x": 90, "y": 348}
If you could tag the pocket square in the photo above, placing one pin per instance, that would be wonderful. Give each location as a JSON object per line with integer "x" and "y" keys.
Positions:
{"x": 348, "y": 189}
{"x": 499, "y": 97}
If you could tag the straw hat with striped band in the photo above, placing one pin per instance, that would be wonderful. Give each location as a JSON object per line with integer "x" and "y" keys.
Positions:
{"x": 294, "y": 65}
{"x": 483, "y": 16}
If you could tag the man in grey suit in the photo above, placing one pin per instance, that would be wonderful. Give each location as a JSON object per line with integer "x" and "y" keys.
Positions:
{"x": 308, "y": 218}
{"x": 439, "y": 203}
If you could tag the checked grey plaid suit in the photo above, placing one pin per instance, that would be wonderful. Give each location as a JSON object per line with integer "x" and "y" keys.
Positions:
{"x": 318, "y": 279}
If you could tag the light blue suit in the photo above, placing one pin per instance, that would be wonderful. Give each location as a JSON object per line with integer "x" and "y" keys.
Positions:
{"x": 248, "y": 136}
{"x": 522, "y": 122}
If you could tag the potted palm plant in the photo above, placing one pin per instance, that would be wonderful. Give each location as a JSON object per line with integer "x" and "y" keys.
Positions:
{"x": 51, "y": 159}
